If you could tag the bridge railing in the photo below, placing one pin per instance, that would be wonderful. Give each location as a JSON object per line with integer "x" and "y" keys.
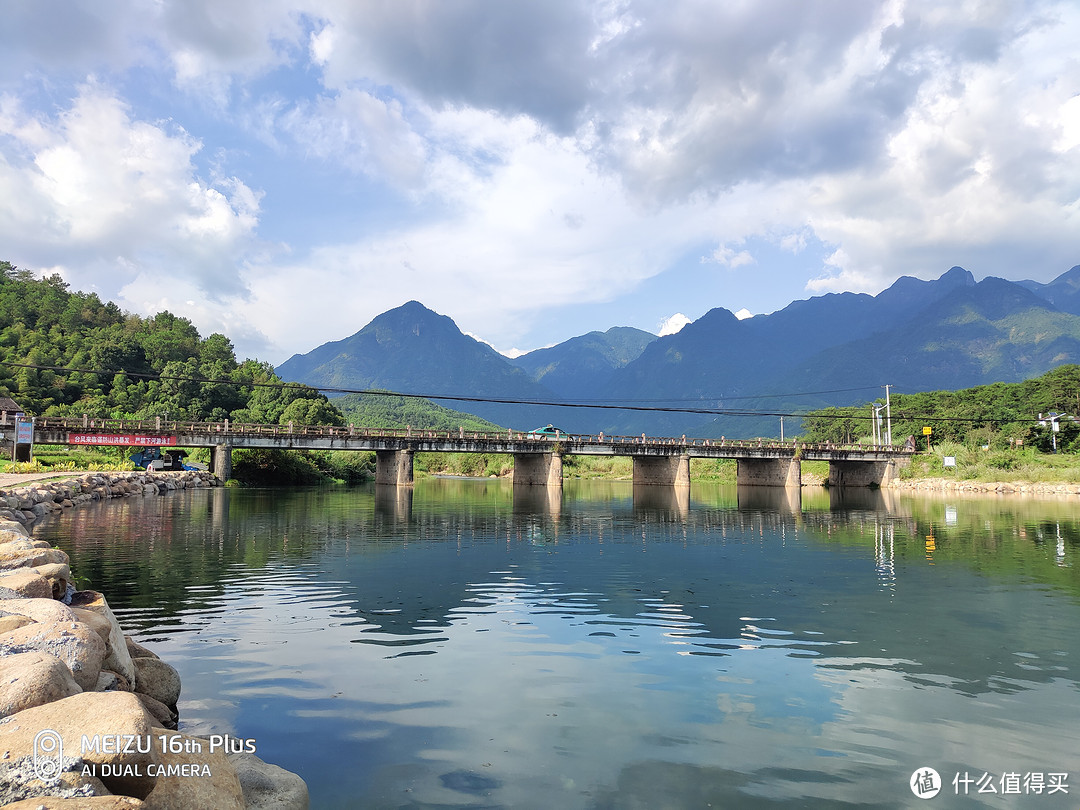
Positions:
{"x": 163, "y": 426}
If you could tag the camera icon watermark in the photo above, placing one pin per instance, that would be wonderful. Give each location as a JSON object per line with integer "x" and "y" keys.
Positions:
{"x": 48, "y": 756}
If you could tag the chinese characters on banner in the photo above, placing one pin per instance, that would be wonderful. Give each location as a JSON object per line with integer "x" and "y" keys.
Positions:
{"x": 122, "y": 440}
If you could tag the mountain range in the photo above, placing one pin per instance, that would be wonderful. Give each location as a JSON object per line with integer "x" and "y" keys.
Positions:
{"x": 835, "y": 349}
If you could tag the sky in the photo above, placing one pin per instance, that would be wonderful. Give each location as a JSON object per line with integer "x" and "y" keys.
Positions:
{"x": 282, "y": 171}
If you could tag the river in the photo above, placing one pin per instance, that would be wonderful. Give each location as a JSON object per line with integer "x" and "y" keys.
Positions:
{"x": 453, "y": 647}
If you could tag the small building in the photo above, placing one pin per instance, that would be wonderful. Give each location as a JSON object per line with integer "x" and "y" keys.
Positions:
{"x": 9, "y": 411}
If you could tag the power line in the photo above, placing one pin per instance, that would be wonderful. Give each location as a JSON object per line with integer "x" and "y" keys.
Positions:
{"x": 587, "y": 404}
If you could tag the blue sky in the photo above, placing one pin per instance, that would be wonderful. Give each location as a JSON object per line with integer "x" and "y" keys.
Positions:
{"x": 282, "y": 171}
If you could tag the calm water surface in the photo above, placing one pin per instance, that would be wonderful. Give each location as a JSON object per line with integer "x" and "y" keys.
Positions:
{"x": 455, "y": 647}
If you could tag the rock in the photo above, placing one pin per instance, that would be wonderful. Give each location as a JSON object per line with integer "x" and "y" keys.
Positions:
{"x": 72, "y": 642}
{"x": 109, "y": 681}
{"x": 12, "y": 555}
{"x": 220, "y": 789}
{"x": 33, "y": 679}
{"x": 98, "y": 716}
{"x": 166, "y": 717}
{"x": 87, "y": 803}
{"x": 268, "y": 787}
{"x": 58, "y": 575}
{"x": 99, "y": 624}
{"x": 137, "y": 650}
{"x": 18, "y": 782}
{"x": 11, "y": 530}
{"x": 39, "y": 610}
{"x": 155, "y": 678}
{"x": 117, "y": 657}
{"x": 27, "y": 582}
{"x": 12, "y": 622}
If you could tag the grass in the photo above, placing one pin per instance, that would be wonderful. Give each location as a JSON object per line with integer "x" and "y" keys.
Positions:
{"x": 473, "y": 465}
{"x": 987, "y": 466}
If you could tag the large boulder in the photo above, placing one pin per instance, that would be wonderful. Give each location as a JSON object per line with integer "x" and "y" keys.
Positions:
{"x": 23, "y": 554}
{"x": 191, "y": 775}
{"x": 12, "y": 622}
{"x": 27, "y": 582}
{"x": 12, "y": 530}
{"x": 108, "y": 720}
{"x": 19, "y": 781}
{"x": 137, "y": 650}
{"x": 117, "y": 657}
{"x": 58, "y": 575}
{"x": 40, "y": 610}
{"x": 70, "y": 641}
{"x": 32, "y": 679}
{"x": 164, "y": 716}
{"x": 82, "y": 803}
{"x": 157, "y": 679}
{"x": 99, "y": 624}
{"x": 268, "y": 787}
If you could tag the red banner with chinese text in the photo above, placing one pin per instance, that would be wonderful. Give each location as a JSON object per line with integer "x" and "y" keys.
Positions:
{"x": 122, "y": 439}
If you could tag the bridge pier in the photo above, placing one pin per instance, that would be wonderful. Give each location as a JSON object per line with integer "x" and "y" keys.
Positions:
{"x": 861, "y": 473}
{"x": 394, "y": 467}
{"x": 768, "y": 472}
{"x": 537, "y": 470}
{"x": 662, "y": 471}
{"x": 221, "y": 461}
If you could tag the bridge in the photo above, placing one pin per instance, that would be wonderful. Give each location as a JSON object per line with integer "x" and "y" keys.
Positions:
{"x": 537, "y": 457}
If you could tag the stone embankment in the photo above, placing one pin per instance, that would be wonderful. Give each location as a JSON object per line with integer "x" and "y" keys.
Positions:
{"x": 88, "y": 717}
{"x": 1002, "y": 487}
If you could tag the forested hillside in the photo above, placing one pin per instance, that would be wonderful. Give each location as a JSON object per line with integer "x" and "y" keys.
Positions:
{"x": 390, "y": 411}
{"x": 999, "y": 415}
{"x": 69, "y": 353}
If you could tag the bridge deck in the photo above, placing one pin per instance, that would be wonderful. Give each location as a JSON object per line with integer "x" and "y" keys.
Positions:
{"x": 86, "y": 431}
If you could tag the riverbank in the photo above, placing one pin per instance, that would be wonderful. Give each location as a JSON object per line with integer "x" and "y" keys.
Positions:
{"x": 84, "y": 710}
{"x": 1000, "y": 487}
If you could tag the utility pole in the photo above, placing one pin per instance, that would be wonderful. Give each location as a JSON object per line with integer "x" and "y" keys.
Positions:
{"x": 888, "y": 417}
{"x": 1054, "y": 426}
{"x": 878, "y": 437}
{"x": 781, "y": 430}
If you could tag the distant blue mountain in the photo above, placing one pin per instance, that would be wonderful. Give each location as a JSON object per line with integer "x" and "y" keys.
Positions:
{"x": 582, "y": 366}
{"x": 836, "y": 349}
{"x": 411, "y": 349}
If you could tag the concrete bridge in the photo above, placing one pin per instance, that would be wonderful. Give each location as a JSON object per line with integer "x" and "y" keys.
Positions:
{"x": 537, "y": 457}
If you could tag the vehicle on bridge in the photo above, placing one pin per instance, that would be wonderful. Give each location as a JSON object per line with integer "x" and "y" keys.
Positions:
{"x": 549, "y": 430}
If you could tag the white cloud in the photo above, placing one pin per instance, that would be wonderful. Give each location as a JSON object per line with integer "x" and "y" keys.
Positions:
{"x": 794, "y": 242}
{"x": 743, "y": 314}
{"x": 728, "y": 257}
{"x": 568, "y": 150}
{"x": 106, "y": 197}
{"x": 673, "y": 324}
{"x": 1069, "y": 118}
{"x": 362, "y": 133}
